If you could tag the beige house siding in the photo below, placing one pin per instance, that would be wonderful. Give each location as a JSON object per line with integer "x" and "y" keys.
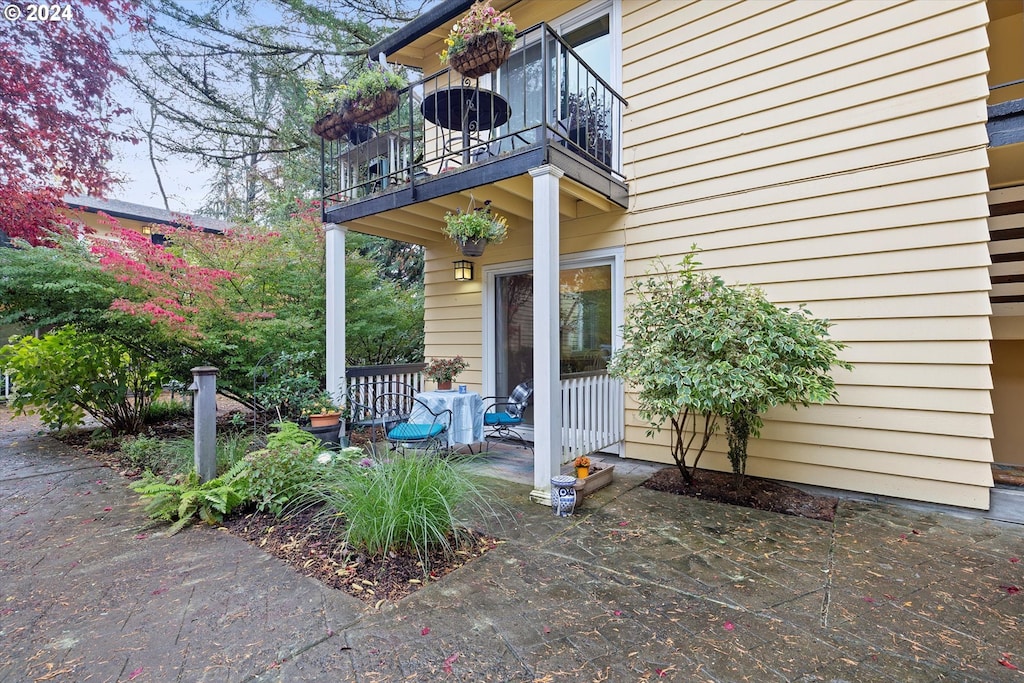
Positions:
{"x": 834, "y": 154}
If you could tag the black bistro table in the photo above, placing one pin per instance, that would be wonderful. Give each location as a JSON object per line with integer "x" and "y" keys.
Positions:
{"x": 467, "y": 110}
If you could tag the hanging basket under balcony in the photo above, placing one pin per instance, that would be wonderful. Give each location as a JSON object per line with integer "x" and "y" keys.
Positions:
{"x": 372, "y": 109}
{"x": 482, "y": 55}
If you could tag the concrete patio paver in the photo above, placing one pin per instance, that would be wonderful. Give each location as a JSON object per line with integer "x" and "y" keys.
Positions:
{"x": 638, "y": 585}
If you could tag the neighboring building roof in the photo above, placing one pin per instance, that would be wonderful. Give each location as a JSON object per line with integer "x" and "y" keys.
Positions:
{"x": 142, "y": 213}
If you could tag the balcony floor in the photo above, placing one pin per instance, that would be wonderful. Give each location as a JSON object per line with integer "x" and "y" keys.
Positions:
{"x": 583, "y": 181}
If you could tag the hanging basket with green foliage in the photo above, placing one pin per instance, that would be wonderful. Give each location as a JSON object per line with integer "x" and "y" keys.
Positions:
{"x": 473, "y": 229}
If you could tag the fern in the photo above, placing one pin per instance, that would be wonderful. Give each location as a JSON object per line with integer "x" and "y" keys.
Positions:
{"x": 180, "y": 502}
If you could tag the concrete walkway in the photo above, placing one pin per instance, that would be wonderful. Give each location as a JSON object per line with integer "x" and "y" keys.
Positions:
{"x": 637, "y": 586}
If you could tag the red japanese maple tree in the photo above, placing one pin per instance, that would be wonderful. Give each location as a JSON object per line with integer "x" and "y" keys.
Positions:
{"x": 57, "y": 107}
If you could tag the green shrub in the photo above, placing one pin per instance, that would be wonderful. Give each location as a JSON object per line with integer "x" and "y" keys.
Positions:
{"x": 181, "y": 501}
{"x": 408, "y": 503}
{"x": 67, "y": 374}
{"x": 171, "y": 456}
{"x": 697, "y": 349}
{"x": 281, "y": 472}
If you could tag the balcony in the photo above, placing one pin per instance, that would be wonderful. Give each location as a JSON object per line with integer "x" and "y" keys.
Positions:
{"x": 545, "y": 105}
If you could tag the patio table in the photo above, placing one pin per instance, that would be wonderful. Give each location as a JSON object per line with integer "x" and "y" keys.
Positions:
{"x": 467, "y": 414}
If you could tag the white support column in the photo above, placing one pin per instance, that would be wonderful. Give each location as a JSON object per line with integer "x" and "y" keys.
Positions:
{"x": 335, "y": 310}
{"x": 547, "y": 403}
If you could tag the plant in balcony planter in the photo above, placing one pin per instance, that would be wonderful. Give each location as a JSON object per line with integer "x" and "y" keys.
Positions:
{"x": 474, "y": 229}
{"x": 480, "y": 42}
{"x": 372, "y": 94}
{"x": 443, "y": 371}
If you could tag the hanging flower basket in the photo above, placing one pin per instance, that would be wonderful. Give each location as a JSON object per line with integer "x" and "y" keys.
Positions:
{"x": 482, "y": 55}
{"x": 473, "y": 229}
{"x": 332, "y": 126}
{"x": 470, "y": 247}
{"x": 371, "y": 109}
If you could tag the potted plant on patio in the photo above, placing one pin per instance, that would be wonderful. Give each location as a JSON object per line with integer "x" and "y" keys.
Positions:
{"x": 474, "y": 229}
{"x": 322, "y": 411}
{"x": 480, "y": 42}
{"x": 444, "y": 370}
{"x": 582, "y": 465}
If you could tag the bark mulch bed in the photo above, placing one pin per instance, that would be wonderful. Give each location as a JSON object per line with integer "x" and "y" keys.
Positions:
{"x": 307, "y": 542}
{"x": 751, "y": 492}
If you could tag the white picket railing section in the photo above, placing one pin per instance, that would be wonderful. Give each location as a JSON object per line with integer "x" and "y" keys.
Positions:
{"x": 592, "y": 413}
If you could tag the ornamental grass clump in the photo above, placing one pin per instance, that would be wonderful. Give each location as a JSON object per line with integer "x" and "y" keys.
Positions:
{"x": 698, "y": 350}
{"x": 407, "y": 503}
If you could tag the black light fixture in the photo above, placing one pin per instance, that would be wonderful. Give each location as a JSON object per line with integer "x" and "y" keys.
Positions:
{"x": 463, "y": 270}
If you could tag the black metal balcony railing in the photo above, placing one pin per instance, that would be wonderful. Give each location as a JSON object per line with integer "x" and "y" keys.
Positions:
{"x": 544, "y": 94}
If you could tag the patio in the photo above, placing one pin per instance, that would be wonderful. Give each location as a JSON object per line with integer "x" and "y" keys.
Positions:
{"x": 639, "y": 585}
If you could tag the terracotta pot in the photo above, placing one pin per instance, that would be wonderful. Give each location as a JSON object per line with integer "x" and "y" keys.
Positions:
{"x": 444, "y": 386}
{"x": 324, "y": 419}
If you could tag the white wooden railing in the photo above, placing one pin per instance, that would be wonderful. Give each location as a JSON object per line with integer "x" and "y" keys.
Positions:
{"x": 592, "y": 413}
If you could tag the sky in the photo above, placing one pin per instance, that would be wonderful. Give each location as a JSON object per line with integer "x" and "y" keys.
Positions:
{"x": 184, "y": 179}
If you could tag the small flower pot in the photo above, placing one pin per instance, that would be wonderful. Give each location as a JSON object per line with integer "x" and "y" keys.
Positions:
{"x": 444, "y": 386}
{"x": 324, "y": 419}
{"x": 582, "y": 472}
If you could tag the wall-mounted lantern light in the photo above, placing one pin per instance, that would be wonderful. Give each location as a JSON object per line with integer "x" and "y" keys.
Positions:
{"x": 463, "y": 270}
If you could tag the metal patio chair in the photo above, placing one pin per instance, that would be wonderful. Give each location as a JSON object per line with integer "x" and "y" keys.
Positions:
{"x": 503, "y": 414}
{"x": 409, "y": 422}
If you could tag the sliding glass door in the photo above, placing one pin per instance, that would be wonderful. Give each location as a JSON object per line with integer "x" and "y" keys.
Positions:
{"x": 586, "y": 324}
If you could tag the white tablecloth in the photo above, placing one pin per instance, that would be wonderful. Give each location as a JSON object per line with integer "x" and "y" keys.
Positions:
{"x": 467, "y": 414}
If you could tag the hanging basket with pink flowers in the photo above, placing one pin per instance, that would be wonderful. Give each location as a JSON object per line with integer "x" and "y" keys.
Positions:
{"x": 480, "y": 42}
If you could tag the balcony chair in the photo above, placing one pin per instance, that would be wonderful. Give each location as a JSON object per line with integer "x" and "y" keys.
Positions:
{"x": 503, "y": 414}
{"x": 363, "y": 403}
{"x": 408, "y": 422}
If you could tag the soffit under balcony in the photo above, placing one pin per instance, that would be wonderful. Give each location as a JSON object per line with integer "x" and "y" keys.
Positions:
{"x": 423, "y": 222}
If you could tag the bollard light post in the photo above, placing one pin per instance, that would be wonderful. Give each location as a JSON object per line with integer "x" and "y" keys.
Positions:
{"x": 204, "y": 408}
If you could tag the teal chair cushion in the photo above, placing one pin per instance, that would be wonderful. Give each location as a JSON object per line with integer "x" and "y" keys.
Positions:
{"x": 408, "y": 431}
{"x": 493, "y": 419}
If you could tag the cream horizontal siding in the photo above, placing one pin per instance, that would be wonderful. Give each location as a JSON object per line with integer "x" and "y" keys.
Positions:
{"x": 834, "y": 154}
